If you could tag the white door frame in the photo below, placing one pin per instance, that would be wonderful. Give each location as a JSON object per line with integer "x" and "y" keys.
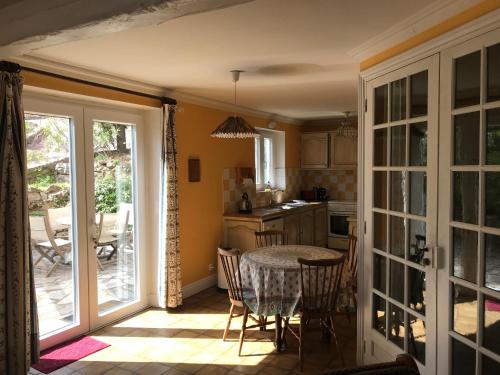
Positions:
{"x": 445, "y": 276}
{"x": 40, "y": 105}
{"x": 92, "y": 113}
{"x": 379, "y": 348}
{"x": 82, "y": 113}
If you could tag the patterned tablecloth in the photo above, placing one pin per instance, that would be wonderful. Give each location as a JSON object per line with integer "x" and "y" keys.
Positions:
{"x": 271, "y": 277}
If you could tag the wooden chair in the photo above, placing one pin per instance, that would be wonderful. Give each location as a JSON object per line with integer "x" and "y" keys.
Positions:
{"x": 55, "y": 249}
{"x": 320, "y": 284}
{"x": 351, "y": 271}
{"x": 230, "y": 260}
{"x": 271, "y": 238}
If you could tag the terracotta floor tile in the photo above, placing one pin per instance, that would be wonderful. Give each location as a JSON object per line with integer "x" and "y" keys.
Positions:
{"x": 189, "y": 341}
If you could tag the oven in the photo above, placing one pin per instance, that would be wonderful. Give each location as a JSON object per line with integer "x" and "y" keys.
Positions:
{"x": 338, "y": 225}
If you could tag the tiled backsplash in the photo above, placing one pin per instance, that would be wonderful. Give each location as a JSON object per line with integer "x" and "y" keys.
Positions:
{"x": 341, "y": 185}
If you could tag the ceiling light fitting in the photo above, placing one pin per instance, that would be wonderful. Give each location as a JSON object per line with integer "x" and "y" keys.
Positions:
{"x": 235, "y": 126}
{"x": 346, "y": 130}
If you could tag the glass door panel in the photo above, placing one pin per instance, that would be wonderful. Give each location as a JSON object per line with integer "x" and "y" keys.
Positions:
{"x": 49, "y": 142}
{"x": 403, "y": 206}
{"x": 469, "y": 200}
{"x": 55, "y": 181}
{"x": 114, "y": 181}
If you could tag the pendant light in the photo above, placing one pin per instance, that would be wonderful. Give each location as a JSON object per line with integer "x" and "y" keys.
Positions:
{"x": 346, "y": 130}
{"x": 235, "y": 126}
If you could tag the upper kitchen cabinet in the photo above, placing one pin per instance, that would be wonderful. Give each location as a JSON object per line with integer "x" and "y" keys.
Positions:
{"x": 343, "y": 152}
{"x": 314, "y": 150}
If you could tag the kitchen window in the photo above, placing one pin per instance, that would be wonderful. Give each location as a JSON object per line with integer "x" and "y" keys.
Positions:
{"x": 269, "y": 159}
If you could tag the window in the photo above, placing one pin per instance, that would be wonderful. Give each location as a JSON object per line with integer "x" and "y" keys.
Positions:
{"x": 269, "y": 159}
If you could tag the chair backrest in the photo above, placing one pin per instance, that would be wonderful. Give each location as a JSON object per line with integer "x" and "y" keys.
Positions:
{"x": 98, "y": 231}
{"x": 352, "y": 257}
{"x": 49, "y": 231}
{"x": 230, "y": 260}
{"x": 271, "y": 238}
{"x": 122, "y": 222}
{"x": 320, "y": 284}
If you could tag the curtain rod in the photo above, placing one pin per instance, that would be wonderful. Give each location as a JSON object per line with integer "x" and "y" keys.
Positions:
{"x": 11, "y": 67}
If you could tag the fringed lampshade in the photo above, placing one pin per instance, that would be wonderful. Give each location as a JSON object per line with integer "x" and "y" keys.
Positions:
{"x": 235, "y": 127}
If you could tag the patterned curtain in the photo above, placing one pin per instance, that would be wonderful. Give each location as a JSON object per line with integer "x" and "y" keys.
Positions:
{"x": 18, "y": 316}
{"x": 170, "y": 214}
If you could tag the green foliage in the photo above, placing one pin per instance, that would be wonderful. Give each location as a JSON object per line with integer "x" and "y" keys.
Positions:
{"x": 111, "y": 191}
{"x": 43, "y": 181}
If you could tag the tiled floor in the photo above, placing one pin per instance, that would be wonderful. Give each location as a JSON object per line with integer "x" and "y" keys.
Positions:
{"x": 188, "y": 341}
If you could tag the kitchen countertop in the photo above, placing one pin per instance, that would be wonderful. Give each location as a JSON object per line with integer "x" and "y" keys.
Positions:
{"x": 266, "y": 213}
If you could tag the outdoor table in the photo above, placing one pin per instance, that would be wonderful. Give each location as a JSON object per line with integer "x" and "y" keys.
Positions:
{"x": 270, "y": 279}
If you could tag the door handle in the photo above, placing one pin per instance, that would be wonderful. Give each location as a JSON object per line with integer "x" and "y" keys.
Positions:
{"x": 430, "y": 258}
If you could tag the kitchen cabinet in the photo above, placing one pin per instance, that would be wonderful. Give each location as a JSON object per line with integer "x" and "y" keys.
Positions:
{"x": 307, "y": 228}
{"x": 240, "y": 234}
{"x": 314, "y": 150}
{"x": 343, "y": 152}
{"x": 292, "y": 226}
{"x": 306, "y": 225}
{"x": 321, "y": 226}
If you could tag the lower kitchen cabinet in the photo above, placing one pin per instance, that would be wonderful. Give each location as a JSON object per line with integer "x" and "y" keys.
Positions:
{"x": 321, "y": 227}
{"x": 292, "y": 226}
{"x": 306, "y": 225}
{"x": 307, "y": 228}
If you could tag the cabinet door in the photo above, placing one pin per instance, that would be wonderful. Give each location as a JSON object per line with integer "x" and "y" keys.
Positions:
{"x": 307, "y": 228}
{"x": 320, "y": 227}
{"x": 292, "y": 226}
{"x": 314, "y": 150}
{"x": 240, "y": 234}
{"x": 343, "y": 152}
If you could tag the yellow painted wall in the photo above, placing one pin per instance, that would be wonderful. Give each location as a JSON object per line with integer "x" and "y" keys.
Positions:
{"x": 201, "y": 204}
{"x": 458, "y": 20}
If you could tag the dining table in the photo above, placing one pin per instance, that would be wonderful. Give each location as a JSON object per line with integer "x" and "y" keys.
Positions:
{"x": 270, "y": 278}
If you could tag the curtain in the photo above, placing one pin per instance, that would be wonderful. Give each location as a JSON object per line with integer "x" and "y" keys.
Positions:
{"x": 18, "y": 316}
{"x": 170, "y": 214}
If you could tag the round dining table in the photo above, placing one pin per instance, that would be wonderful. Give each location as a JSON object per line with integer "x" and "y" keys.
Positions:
{"x": 270, "y": 279}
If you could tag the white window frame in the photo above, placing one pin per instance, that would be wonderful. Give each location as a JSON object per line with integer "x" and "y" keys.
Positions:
{"x": 277, "y": 159}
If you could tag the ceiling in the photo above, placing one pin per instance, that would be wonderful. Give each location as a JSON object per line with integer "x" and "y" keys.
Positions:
{"x": 294, "y": 52}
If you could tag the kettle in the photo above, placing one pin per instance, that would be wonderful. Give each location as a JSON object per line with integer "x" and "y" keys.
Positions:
{"x": 245, "y": 204}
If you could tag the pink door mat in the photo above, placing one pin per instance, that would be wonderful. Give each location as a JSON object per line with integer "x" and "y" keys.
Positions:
{"x": 66, "y": 353}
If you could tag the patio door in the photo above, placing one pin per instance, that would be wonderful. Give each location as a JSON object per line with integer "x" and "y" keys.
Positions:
{"x": 85, "y": 178}
{"x": 401, "y": 214}
{"x": 114, "y": 181}
{"x": 469, "y": 206}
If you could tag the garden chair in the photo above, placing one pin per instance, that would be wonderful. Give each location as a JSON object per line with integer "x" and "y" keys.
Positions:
{"x": 115, "y": 238}
{"x": 55, "y": 249}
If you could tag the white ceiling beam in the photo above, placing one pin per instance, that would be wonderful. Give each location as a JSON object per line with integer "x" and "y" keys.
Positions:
{"x": 28, "y": 25}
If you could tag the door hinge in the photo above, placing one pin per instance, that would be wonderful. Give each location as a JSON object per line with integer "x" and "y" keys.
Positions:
{"x": 365, "y": 227}
{"x": 366, "y": 105}
{"x": 364, "y": 346}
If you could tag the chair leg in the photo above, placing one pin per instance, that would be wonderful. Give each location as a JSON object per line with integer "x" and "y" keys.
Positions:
{"x": 243, "y": 328}
{"x": 228, "y": 325}
{"x": 301, "y": 335}
{"x": 51, "y": 269}
{"x": 339, "y": 349}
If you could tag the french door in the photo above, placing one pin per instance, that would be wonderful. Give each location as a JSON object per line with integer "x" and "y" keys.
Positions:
{"x": 85, "y": 184}
{"x": 401, "y": 213}
{"x": 469, "y": 207}
{"x": 432, "y": 241}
